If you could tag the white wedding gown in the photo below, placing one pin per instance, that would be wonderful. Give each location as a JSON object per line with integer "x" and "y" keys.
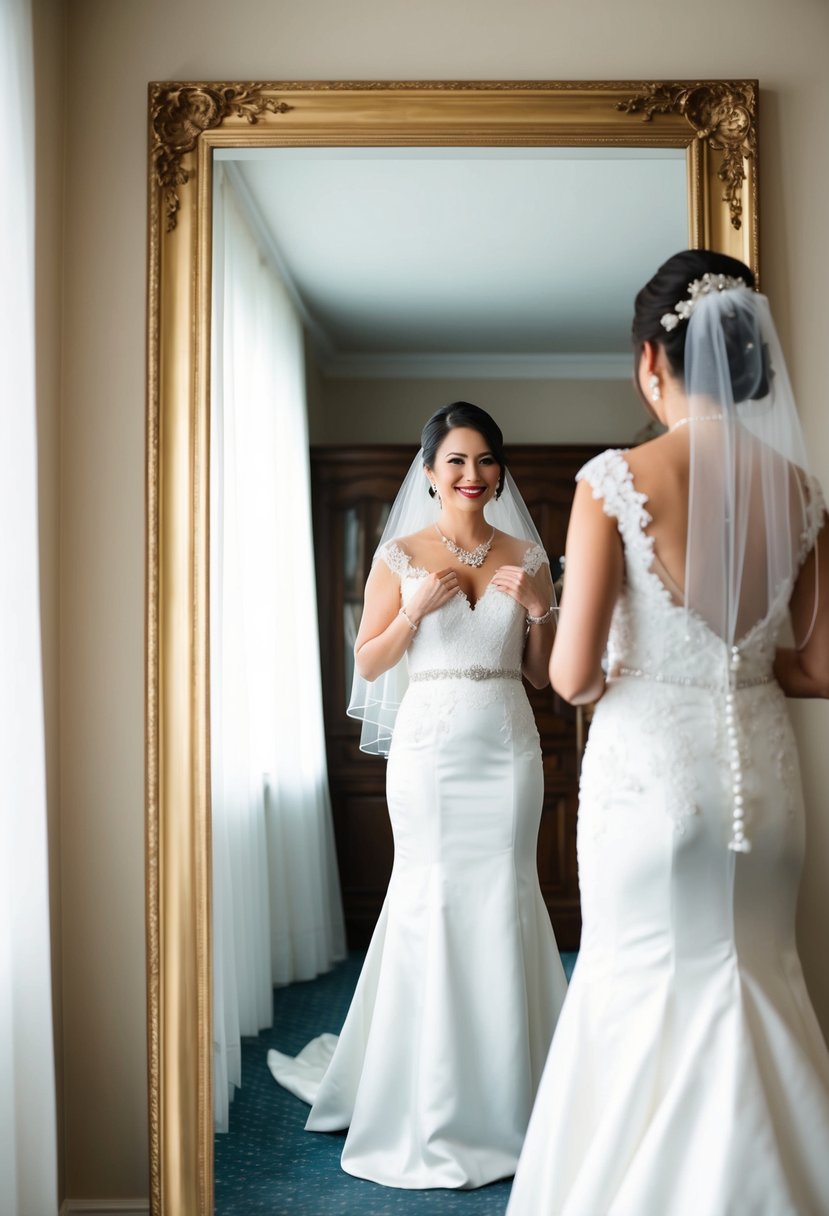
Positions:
{"x": 438, "y": 1062}
{"x": 688, "y": 1075}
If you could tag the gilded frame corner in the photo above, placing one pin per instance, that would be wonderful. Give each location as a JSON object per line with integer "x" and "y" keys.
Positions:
{"x": 714, "y": 121}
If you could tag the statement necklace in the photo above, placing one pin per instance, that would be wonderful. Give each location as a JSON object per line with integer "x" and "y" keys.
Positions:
{"x": 698, "y": 418}
{"x": 469, "y": 557}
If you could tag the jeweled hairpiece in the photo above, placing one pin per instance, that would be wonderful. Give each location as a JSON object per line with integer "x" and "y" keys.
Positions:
{"x": 696, "y": 290}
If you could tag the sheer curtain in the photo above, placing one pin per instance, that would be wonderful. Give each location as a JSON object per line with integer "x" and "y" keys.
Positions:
{"x": 277, "y": 912}
{"x": 28, "y": 1133}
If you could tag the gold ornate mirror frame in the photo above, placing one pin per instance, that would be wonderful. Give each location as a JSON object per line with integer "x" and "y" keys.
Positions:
{"x": 715, "y": 121}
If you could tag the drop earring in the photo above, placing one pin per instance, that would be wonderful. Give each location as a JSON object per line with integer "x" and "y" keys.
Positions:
{"x": 433, "y": 490}
{"x": 656, "y": 391}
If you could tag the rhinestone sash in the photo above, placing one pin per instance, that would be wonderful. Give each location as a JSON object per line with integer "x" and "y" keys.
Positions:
{"x": 688, "y": 681}
{"x": 465, "y": 673}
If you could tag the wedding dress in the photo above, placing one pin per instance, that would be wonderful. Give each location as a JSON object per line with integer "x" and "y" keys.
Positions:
{"x": 437, "y": 1065}
{"x": 688, "y": 1075}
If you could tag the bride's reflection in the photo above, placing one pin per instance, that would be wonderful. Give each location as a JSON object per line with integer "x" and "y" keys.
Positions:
{"x": 277, "y": 913}
{"x": 462, "y": 985}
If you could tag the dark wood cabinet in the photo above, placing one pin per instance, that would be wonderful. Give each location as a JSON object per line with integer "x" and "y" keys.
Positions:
{"x": 352, "y": 490}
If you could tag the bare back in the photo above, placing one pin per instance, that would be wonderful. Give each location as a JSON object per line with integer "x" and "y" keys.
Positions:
{"x": 661, "y": 471}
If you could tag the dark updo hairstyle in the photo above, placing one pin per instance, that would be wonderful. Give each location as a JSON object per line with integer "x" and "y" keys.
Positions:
{"x": 660, "y": 295}
{"x": 463, "y": 413}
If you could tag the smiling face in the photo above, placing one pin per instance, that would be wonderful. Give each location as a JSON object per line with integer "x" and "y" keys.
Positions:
{"x": 464, "y": 472}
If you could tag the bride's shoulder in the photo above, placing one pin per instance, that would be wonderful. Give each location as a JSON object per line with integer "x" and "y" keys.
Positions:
{"x": 415, "y": 540}
{"x": 605, "y": 475}
{"x": 611, "y": 462}
{"x": 405, "y": 552}
{"x": 517, "y": 551}
{"x": 607, "y": 487}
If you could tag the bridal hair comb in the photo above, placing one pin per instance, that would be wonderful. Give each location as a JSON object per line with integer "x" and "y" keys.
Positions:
{"x": 696, "y": 290}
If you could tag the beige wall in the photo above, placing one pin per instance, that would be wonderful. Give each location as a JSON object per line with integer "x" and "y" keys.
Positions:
{"x": 113, "y": 50}
{"x": 529, "y": 411}
{"x": 49, "y": 41}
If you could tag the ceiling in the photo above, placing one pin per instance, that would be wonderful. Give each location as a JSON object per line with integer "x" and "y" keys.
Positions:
{"x": 441, "y": 257}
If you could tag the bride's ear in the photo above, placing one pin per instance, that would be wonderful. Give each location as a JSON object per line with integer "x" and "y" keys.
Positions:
{"x": 649, "y": 369}
{"x": 430, "y": 478}
{"x": 648, "y": 359}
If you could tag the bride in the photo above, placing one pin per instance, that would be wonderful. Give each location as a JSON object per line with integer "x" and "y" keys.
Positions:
{"x": 688, "y": 1075}
{"x": 438, "y": 1062}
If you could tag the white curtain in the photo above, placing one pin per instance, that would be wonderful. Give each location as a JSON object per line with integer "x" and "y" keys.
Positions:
{"x": 277, "y": 907}
{"x": 28, "y": 1133}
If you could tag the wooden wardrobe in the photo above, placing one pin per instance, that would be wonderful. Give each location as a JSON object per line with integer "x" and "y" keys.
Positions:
{"x": 352, "y": 490}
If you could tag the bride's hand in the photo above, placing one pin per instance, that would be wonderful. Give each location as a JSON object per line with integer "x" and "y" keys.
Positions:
{"x": 531, "y": 590}
{"x": 434, "y": 590}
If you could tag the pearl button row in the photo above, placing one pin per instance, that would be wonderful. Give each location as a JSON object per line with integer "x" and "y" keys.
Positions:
{"x": 739, "y": 842}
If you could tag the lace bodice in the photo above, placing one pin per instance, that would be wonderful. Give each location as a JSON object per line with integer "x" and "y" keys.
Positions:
{"x": 458, "y": 636}
{"x": 649, "y": 631}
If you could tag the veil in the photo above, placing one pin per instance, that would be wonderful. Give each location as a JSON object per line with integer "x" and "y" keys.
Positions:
{"x": 753, "y": 506}
{"x": 376, "y": 702}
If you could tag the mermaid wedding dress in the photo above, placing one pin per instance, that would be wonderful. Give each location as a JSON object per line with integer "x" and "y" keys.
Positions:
{"x": 688, "y": 1075}
{"x": 437, "y": 1065}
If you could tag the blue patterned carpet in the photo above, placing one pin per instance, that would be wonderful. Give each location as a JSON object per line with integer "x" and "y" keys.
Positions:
{"x": 268, "y": 1164}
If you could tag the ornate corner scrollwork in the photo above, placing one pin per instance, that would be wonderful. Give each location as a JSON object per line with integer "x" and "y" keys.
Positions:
{"x": 179, "y": 114}
{"x": 722, "y": 112}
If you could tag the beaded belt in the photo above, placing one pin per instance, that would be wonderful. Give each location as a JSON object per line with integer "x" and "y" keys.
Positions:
{"x": 657, "y": 677}
{"x": 465, "y": 673}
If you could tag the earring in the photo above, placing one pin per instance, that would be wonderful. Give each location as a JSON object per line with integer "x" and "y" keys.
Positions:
{"x": 656, "y": 391}
{"x": 433, "y": 490}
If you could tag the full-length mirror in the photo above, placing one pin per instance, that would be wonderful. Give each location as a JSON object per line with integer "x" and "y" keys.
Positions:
{"x": 322, "y": 278}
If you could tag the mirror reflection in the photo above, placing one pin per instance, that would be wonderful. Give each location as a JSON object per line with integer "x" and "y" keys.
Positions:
{"x": 354, "y": 292}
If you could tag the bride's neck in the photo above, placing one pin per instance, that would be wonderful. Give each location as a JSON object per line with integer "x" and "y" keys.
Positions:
{"x": 465, "y": 530}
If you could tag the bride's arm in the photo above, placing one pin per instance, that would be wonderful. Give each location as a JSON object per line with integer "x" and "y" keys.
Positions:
{"x": 594, "y": 572}
{"x": 384, "y": 634}
{"x": 534, "y": 592}
{"x": 805, "y": 672}
{"x": 385, "y": 631}
{"x": 535, "y": 665}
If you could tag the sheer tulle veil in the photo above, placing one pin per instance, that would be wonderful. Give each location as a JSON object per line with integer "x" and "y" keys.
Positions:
{"x": 751, "y": 495}
{"x": 376, "y": 702}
